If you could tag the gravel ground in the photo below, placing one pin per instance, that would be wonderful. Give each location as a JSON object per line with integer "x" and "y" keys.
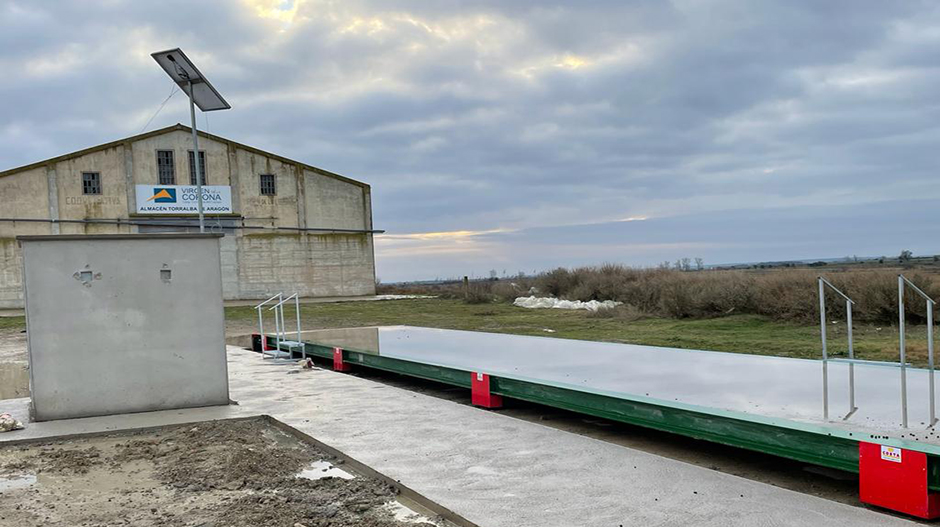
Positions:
{"x": 227, "y": 473}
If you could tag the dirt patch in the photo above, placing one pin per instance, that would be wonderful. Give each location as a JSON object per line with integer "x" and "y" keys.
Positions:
{"x": 225, "y": 473}
{"x": 14, "y": 380}
{"x": 12, "y": 344}
{"x": 14, "y": 375}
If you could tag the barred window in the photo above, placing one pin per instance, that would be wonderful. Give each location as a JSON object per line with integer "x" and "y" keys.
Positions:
{"x": 202, "y": 167}
{"x": 91, "y": 183}
{"x": 268, "y": 185}
{"x": 166, "y": 171}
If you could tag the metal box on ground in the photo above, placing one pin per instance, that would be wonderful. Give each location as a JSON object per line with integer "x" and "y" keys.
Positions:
{"x": 123, "y": 323}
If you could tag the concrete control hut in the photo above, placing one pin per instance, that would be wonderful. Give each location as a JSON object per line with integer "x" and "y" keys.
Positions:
{"x": 288, "y": 226}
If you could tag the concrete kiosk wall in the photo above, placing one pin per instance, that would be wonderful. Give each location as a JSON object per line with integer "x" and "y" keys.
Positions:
{"x": 123, "y": 323}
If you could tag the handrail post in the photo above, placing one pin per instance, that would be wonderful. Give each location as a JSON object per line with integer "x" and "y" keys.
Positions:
{"x": 901, "y": 346}
{"x": 261, "y": 332}
{"x": 825, "y": 354}
{"x": 278, "y": 324}
{"x": 902, "y": 280}
{"x": 823, "y": 283}
{"x": 848, "y": 316}
{"x": 283, "y": 323}
{"x": 933, "y": 410}
{"x": 297, "y": 310}
{"x": 264, "y": 340}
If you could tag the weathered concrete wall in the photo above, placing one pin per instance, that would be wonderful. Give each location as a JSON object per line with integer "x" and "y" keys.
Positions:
{"x": 11, "y": 274}
{"x": 266, "y": 211}
{"x": 335, "y": 204}
{"x": 24, "y": 195}
{"x": 73, "y": 205}
{"x": 314, "y": 264}
{"x": 128, "y": 339}
{"x": 180, "y": 142}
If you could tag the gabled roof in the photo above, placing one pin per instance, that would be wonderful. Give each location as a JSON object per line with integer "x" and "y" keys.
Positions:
{"x": 178, "y": 128}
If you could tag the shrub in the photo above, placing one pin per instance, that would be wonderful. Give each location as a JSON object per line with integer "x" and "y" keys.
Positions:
{"x": 781, "y": 294}
{"x": 478, "y": 293}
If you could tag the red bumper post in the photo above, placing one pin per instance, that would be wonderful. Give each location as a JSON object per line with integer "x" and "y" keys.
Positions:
{"x": 338, "y": 363}
{"x": 896, "y": 479}
{"x": 261, "y": 342}
{"x": 480, "y": 392}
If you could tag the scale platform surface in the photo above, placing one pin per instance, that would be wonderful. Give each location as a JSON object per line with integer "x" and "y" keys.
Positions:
{"x": 768, "y": 404}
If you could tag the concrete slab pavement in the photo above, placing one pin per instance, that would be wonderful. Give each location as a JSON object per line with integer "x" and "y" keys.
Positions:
{"x": 498, "y": 471}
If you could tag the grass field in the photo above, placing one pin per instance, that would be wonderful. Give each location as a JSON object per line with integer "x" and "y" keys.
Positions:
{"x": 738, "y": 333}
{"x": 735, "y": 333}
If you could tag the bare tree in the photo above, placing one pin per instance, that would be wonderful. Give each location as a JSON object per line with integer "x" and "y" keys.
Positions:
{"x": 905, "y": 256}
{"x": 699, "y": 264}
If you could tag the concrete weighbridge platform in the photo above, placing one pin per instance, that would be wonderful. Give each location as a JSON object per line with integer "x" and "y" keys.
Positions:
{"x": 493, "y": 470}
{"x": 768, "y": 404}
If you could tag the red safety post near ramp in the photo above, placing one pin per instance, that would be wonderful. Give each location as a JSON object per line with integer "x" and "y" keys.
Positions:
{"x": 480, "y": 392}
{"x": 261, "y": 342}
{"x": 338, "y": 364}
{"x": 896, "y": 479}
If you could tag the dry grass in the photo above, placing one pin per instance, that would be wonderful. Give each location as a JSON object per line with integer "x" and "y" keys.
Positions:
{"x": 780, "y": 294}
{"x": 787, "y": 295}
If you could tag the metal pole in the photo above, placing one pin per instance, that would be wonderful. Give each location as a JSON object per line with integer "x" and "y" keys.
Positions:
{"x": 277, "y": 329}
{"x": 933, "y": 411}
{"x": 303, "y": 347}
{"x": 192, "y": 115}
{"x": 283, "y": 323}
{"x": 297, "y": 310}
{"x": 825, "y": 354}
{"x": 903, "y": 358}
{"x": 848, "y": 315}
{"x": 261, "y": 331}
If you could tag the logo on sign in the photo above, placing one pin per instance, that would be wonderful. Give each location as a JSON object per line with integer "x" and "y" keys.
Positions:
{"x": 890, "y": 453}
{"x": 163, "y": 195}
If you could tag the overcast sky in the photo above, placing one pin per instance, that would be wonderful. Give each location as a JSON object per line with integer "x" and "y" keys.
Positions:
{"x": 521, "y": 135}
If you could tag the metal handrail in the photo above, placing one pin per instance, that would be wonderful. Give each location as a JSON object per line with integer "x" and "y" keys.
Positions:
{"x": 283, "y": 301}
{"x": 282, "y": 328}
{"x": 902, "y": 280}
{"x": 879, "y": 363}
{"x": 917, "y": 289}
{"x": 268, "y": 300}
{"x": 264, "y": 340}
{"x": 825, "y": 354}
{"x": 836, "y": 290}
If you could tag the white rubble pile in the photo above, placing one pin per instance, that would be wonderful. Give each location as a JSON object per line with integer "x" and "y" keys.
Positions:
{"x": 8, "y": 423}
{"x": 534, "y": 302}
{"x": 401, "y": 297}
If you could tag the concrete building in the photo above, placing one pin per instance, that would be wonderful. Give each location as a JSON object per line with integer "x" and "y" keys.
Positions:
{"x": 288, "y": 226}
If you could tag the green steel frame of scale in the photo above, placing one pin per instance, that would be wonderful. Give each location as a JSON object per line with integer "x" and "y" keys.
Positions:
{"x": 817, "y": 446}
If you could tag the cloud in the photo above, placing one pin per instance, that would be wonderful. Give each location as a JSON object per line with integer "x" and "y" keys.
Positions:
{"x": 482, "y": 116}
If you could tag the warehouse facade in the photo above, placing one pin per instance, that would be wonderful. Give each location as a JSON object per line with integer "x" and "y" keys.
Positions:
{"x": 288, "y": 226}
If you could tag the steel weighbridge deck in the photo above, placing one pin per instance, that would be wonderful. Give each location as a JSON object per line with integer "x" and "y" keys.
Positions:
{"x": 768, "y": 404}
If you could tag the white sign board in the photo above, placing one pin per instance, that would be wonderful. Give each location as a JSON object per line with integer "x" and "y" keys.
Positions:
{"x": 182, "y": 199}
{"x": 890, "y": 453}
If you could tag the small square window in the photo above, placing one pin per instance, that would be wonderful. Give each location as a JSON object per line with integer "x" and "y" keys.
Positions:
{"x": 268, "y": 185}
{"x": 202, "y": 167}
{"x": 166, "y": 171}
{"x": 91, "y": 183}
